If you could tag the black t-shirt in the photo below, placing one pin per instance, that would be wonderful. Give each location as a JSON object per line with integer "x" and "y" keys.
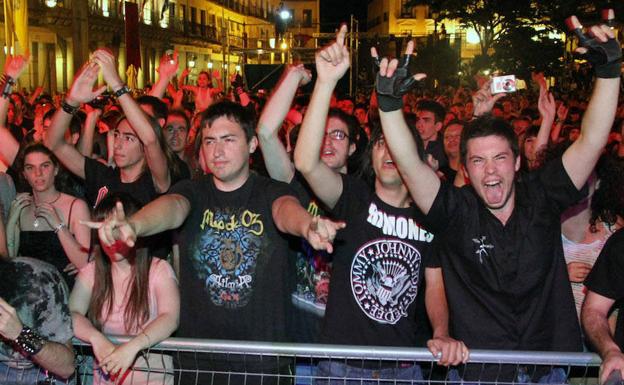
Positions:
{"x": 232, "y": 260}
{"x": 507, "y": 285}
{"x": 435, "y": 148}
{"x": 101, "y": 179}
{"x": 606, "y": 278}
{"x": 376, "y": 294}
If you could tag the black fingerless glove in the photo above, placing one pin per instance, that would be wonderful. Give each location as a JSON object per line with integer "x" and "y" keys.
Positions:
{"x": 606, "y": 58}
{"x": 390, "y": 90}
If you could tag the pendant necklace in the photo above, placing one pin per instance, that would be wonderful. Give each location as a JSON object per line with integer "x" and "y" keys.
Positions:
{"x": 36, "y": 221}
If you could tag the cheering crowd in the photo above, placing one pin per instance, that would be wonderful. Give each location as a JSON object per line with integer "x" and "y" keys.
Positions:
{"x": 459, "y": 220}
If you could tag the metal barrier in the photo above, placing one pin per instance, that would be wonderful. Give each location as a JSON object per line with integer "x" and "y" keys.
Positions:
{"x": 212, "y": 362}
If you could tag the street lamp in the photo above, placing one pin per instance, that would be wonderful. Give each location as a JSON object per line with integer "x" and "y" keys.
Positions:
{"x": 50, "y": 3}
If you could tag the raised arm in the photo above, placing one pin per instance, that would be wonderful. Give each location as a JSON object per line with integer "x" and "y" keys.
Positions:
{"x": 421, "y": 181}
{"x": 85, "y": 143}
{"x": 547, "y": 108}
{"x": 331, "y": 64}
{"x": 154, "y": 154}
{"x": 276, "y": 159}
{"x": 81, "y": 92}
{"x": 166, "y": 71}
{"x": 579, "y": 160}
{"x": 14, "y": 66}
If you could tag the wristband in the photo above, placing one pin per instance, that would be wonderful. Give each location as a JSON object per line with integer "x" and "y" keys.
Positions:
{"x": 122, "y": 91}
{"x": 7, "y": 85}
{"x": 29, "y": 342}
{"x": 69, "y": 108}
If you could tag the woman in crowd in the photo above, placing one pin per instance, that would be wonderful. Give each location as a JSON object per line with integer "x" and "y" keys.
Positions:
{"x": 126, "y": 292}
{"x": 46, "y": 224}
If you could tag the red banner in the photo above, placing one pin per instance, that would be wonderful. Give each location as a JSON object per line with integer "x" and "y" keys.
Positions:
{"x": 133, "y": 44}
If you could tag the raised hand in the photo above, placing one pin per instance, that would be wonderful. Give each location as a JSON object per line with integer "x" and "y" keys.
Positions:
{"x": 304, "y": 73}
{"x": 81, "y": 90}
{"x": 168, "y": 65}
{"x": 120, "y": 359}
{"x": 603, "y": 51}
{"x": 394, "y": 79}
{"x": 483, "y": 100}
{"x": 114, "y": 228}
{"x": 321, "y": 233}
{"x": 14, "y": 66}
{"x": 546, "y": 104}
{"x": 333, "y": 61}
{"x": 107, "y": 62}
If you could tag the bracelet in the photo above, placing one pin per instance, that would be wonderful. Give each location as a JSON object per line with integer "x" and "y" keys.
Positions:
{"x": 29, "y": 342}
{"x": 7, "y": 85}
{"x": 69, "y": 108}
{"x": 59, "y": 227}
{"x": 122, "y": 91}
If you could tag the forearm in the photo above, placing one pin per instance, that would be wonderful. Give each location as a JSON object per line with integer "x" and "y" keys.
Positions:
{"x": 600, "y": 113}
{"x": 85, "y": 144}
{"x": 420, "y": 179}
{"x": 597, "y": 330}
{"x": 541, "y": 141}
{"x": 57, "y": 358}
{"x": 313, "y": 128}
{"x": 159, "y": 89}
{"x": 278, "y": 105}
{"x": 435, "y": 302}
{"x": 157, "y": 330}
{"x": 290, "y": 217}
{"x": 164, "y": 213}
{"x": 56, "y": 133}
{"x": 4, "y": 109}
{"x": 76, "y": 253}
{"x": 12, "y": 235}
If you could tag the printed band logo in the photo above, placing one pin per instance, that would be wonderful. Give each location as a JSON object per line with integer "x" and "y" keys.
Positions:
{"x": 226, "y": 255}
{"x": 384, "y": 279}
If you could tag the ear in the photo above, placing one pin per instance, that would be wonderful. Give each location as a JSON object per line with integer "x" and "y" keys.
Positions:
{"x": 352, "y": 148}
{"x": 438, "y": 126}
{"x": 161, "y": 122}
{"x": 253, "y": 144}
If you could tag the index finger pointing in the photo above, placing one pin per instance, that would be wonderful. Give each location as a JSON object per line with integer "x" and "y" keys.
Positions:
{"x": 120, "y": 215}
{"x": 342, "y": 33}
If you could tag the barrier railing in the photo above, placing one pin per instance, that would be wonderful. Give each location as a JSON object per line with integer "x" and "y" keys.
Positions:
{"x": 211, "y": 362}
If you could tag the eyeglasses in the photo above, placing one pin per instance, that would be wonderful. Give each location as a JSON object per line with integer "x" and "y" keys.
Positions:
{"x": 337, "y": 135}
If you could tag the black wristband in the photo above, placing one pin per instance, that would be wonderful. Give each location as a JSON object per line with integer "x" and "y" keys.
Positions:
{"x": 388, "y": 103}
{"x": 29, "y": 342}
{"x": 122, "y": 91}
{"x": 69, "y": 108}
{"x": 7, "y": 85}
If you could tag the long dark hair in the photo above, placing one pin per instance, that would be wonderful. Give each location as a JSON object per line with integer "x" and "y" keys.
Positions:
{"x": 136, "y": 312}
{"x": 60, "y": 180}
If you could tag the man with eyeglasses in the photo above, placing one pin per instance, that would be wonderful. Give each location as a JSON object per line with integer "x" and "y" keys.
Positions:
{"x": 312, "y": 268}
{"x": 376, "y": 296}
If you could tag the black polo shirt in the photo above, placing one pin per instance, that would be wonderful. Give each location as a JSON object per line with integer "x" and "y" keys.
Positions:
{"x": 507, "y": 285}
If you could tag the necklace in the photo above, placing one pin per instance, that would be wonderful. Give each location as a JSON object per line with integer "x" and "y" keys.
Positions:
{"x": 36, "y": 221}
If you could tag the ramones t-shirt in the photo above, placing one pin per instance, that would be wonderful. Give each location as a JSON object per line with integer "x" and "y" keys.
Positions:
{"x": 232, "y": 261}
{"x": 376, "y": 294}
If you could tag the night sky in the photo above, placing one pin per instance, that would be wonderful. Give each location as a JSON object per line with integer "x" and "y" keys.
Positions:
{"x": 334, "y": 12}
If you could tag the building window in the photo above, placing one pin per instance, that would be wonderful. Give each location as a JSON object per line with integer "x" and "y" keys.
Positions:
{"x": 385, "y": 16}
{"x": 307, "y": 18}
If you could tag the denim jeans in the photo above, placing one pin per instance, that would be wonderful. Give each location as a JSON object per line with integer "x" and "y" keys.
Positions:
{"x": 30, "y": 376}
{"x": 339, "y": 373}
{"x": 553, "y": 376}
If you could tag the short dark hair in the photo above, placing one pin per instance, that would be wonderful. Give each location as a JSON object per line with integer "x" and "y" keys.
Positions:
{"x": 232, "y": 111}
{"x": 349, "y": 120}
{"x": 487, "y": 125}
{"x": 434, "y": 107}
{"x": 158, "y": 106}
